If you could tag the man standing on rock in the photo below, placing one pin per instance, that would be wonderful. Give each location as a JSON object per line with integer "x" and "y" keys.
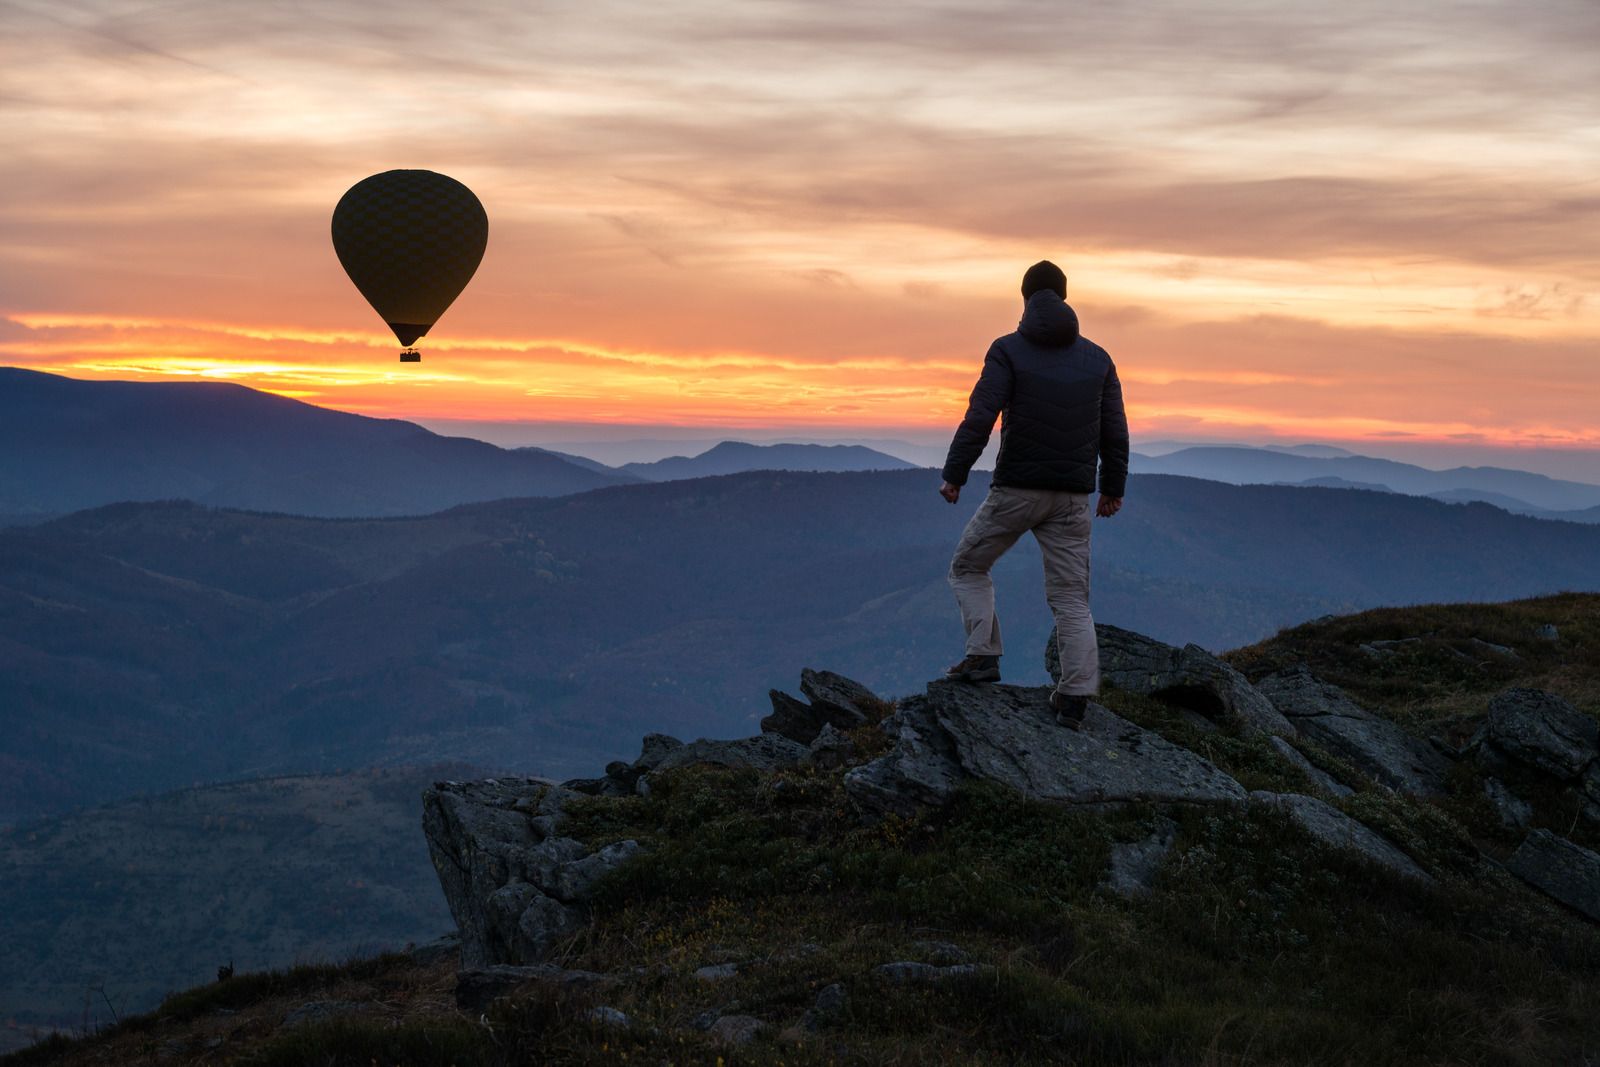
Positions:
{"x": 1063, "y": 420}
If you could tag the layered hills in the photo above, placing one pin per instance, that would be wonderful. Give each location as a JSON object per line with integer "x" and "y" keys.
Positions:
{"x": 151, "y": 646}
{"x": 71, "y": 444}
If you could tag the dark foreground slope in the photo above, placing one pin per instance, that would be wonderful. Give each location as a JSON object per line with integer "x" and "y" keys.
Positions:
{"x": 765, "y": 921}
{"x": 71, "y": 444}
{"x": 146, "y": 647}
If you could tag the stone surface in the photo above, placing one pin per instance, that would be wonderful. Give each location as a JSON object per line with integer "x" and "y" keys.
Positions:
{"x": 829, "y": 1008}
{"x": 1547, "y": 632}
{"x": 736, "y": 1029}
{"x": 1540, "y": 730}
{"x": 716, "y": 972}
{"x": 1513, "y": 812}
{"x": 911, "y": 972}
{"x": 835, "y": 700}
{"x": 831, "y": 749}
{"x": 574, "y": 880}
{"x": 1189, "y": 677}
{"x": 514, "y": 889}
{"x": 1567, "y": 872}
{"x": 1370, "y": 743}
{"x": 1008, "y": 734}
{"x": 605, "y": 1015}
{"x": 1333, "y": 827}
{"x": 1134, "y": 864}
{"x": 1320, "y": 779}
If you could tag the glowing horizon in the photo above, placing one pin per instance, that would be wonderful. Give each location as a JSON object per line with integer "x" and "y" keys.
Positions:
{"x": 1283, "y": 223}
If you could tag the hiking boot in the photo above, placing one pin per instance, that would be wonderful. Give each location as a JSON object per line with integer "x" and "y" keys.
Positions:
{"x": 1069, "y": 709}
{"x": 975, "y": 669}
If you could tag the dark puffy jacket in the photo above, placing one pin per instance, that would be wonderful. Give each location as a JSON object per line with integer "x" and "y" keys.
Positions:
{"x": 1062, "y": 403}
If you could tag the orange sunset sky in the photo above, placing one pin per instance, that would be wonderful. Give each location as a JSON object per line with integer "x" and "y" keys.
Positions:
{"x": 1359, "y": 222}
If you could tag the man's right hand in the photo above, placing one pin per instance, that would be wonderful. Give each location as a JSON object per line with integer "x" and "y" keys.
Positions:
{"x": 1108, "y": 506}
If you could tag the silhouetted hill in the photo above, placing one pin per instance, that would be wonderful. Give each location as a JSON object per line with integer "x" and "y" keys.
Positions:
{"x": 585, "y": 462}
{"x": 734, "y": 457}
{"x": 71, "y": 444}
{"x": 150, "y": 646}
{"x": 1260, "y": 465}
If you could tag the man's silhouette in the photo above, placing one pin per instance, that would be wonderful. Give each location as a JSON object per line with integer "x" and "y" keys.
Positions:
{"x": 1063, "y": 419}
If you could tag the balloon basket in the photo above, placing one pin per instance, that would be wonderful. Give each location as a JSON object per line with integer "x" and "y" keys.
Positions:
{"x": 411, "y": 355}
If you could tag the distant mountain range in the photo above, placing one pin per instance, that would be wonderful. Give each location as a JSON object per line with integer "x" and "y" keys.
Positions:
{"x": 735, "y": 457}
{"x": 1514, "y": 490}
{"x": 70, "y": 444}
{"x": 150, "y": 646}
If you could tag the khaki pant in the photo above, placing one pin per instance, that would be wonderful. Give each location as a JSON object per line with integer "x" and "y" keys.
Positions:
{"x": 1060, "y": 523}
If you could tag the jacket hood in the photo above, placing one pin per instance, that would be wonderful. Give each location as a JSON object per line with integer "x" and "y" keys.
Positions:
{"x": 1048, "y": 320}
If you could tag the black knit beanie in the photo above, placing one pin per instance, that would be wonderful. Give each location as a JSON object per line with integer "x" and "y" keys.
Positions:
{"x": 1044, "y": 275}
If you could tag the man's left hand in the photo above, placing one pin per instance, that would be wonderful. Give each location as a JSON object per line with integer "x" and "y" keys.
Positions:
{"x": 950, "y": 492}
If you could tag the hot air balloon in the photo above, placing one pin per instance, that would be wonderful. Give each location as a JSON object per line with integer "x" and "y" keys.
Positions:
{"x": 410, "y": 240}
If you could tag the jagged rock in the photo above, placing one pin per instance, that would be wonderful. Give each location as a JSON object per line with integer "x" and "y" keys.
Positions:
{"x": 910, "y": 972}
{"x": 942, "y": 953}
{"x": 829, "y": 1008}
{"x": 736, "y": 1029}
{"x": 1330, "y": 825}
{"x": 835, "y": 701}
{"x": 765, "y": 752}
{"x": 1134, "y": 863}
{"x": 478, "y": 987}
{"x": 1008, "y": 734}
{"x": 1374, "y": 745}
{"x": 514, "y": 890}
{"x": 1320, "y": 779}
{"x": 831, "y": 749}
{"x": 1540, "y": 730}
{"x": 1565, "y": 871}
{"x": 1513, "y": 812}
{"x": 1189, "y": 677}
{"x": 572, "y": 881}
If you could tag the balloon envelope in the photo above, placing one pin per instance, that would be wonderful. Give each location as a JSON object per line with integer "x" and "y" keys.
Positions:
{"x": 410, "y": 240}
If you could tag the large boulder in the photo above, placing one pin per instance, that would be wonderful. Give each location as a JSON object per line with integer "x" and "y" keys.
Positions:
{"x": 835, "y": 701}
{"x": 514, "y": 885}
{"x": 1333, "y": 827}
{"x": 1188, "y": 677}
{"x": 1008, "y": 734}
{"x": 1538, "y": 730}
{"x": 1567, "y": 872}
{"x": 1325, "y": 714}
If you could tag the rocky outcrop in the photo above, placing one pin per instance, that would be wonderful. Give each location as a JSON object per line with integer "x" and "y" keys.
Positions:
{"x": 515, "y": 886}
{"x": 764, "y": 752}
{"x": 1333, "y": 827}
{"x": 1008, "y": 734}
{"x": 1538, "y": 730}
{"x": 1187, "y": 677}
{"x": 1567, "y": 872}
{"x": 835, "y": 701}
{"x": 1325, "y": 714}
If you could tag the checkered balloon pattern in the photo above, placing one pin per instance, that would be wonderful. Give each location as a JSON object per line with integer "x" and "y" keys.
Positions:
{"x": 410, "y": 240}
